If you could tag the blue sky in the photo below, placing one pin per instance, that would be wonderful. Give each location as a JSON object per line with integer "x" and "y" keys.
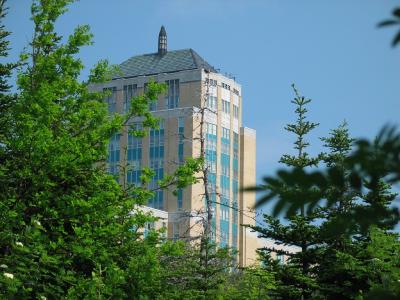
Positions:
{"x": 331, "y": 50}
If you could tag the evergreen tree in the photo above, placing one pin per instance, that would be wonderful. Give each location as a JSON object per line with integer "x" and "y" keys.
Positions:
{"x": 187, "y": 276}
{"x": 252, "y": 283}
{"x": 342, "y": 197}
{"x": 357, "y": 213}
{"x": 6, "y": 99}
{"x": 338, "y": 249}
{"x": 296, "y": 279}
{"x": 383, "y": 253}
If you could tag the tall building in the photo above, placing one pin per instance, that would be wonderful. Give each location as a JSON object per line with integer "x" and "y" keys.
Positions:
{"x": 230, "y": 148}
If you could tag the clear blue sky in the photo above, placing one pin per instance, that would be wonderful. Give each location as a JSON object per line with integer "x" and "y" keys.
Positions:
{"x": 332, "y": 50}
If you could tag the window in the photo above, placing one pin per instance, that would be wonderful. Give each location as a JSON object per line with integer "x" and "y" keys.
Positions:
{"x": 224, "y": 238}
{"x": 225, "y": 188}
{"x": 235, "y": 145}
{"x": 179, "y": 197}
{"x": 225, "y": 165}
{"x": 235, "y": 155}
{"x": 181, "y": 131}
{"x": 280, "y": 258}
{"x": 212, "y": 235}
{"x": 236, "y": 92}
{"x": 134, "y": 155}
{"x": 114, "y": 154}
{"x": 172, "y": 98}
{"x": 211, "y": 82}
{"x": 175, "y": 231}
{"x": 156, "y": 142}
{"x": 129, "y": 92}
{"x": 226, "y": 86}
{"x": 164, "y": 230}
{"x": 181, "y": 122}
{"x": 211, "y": 147}
{"x": 235, "y": 111}
{"x": 235, "y": 195}
{"x": 225, "y": 133}
{"x": 152, "y": 104}
{"x": 234, "y": 236}
{"x": 212, "y": 103}
{"x": 235, "y": 214}
{"x": 225, "y": 170}
{"x": 211, "y": 128}
{"x": 211, "y": 183}
{"x": 211, "y": 144}
{"x": 111, "y": 99}
{"x": 226, "y": 107}
{"x": 149, "y": 226}
{"x": 225, "y": 152}
{"x": 225, "y": 141}
{"x": 224, "y": 213}
{"x": 156, "y": 158}
{"x": 211, "y": 155}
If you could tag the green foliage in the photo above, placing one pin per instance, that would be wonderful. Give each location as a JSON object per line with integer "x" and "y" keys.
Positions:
{"x": 191, "y": 272}
{"x": 68, "y": 229}
{"x": 339, "y": 144}
{"x": 301, "y": 128}
{"x": 393, "y": 22}
{"x": 6, "y": 100}
{"x": 385, "y": 252}
{"x": 251, "y": 283}
{"x": 365, "y": 167}
{"x": 295, "y": 280}
{"x": 354, "y": 217}
{"x": 343, "y": 233}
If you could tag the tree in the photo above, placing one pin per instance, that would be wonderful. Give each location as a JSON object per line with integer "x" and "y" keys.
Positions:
{"x": 296, "y": 279}
{"x": 68, "y": 229}
{"x": 6, "y": 99}
{"x": 356, "y": 189}
{"x": 368, "y": 163}
{"x": 384, "y": 253}
{"x": 357, "y": 210}
{"x": 338, "y": 249}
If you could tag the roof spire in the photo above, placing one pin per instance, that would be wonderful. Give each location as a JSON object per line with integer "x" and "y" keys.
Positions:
{"x": 162, "y": 41}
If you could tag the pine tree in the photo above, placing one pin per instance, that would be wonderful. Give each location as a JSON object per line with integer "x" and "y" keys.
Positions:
{"x": 6, "y": 99}
{"x": 342, "y": 197}
{"x": 252, "y": 283}
{"x": 338, "y": 248}
{"x": 296, "y": 280}
{"x": 186, "y": 276}
{"x": 357, "y": 214}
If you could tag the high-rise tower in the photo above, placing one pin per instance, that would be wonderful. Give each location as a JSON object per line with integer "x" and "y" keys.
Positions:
{"x": 230, "y": 148}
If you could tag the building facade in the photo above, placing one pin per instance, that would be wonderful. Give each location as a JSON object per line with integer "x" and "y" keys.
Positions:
{"x": 230, "y": 148}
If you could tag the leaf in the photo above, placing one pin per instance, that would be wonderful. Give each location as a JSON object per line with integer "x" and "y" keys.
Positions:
{"x": 265, "y": 199}
{"x": 387, "y": 23}
{"x": 396, "y": 12}
{"x": 396, "y": 39}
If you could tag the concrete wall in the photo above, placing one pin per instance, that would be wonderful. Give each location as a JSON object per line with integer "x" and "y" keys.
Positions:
{"x": 186, "y": 223}
{"x": 247, "y": 242}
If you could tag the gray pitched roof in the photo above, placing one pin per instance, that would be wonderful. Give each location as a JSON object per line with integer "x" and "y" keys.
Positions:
{"x": 172, "y": 61}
